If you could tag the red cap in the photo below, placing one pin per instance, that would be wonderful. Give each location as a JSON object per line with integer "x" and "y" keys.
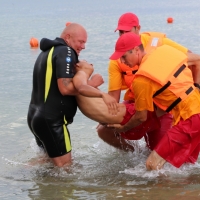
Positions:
{"x": 127, "y": 21}
{"x": 125, "y": 43}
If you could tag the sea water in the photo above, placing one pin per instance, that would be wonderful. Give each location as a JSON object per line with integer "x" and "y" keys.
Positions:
{"x": 98, "y": 171}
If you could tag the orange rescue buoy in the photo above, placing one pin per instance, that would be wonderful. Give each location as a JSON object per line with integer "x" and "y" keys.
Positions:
{"x": 170, "y": 19}
{"x": 68, "y": 23}
{"x": 33, "y": 42}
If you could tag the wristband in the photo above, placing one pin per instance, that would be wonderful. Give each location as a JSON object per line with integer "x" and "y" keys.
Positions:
{"x": 197, "y": 85}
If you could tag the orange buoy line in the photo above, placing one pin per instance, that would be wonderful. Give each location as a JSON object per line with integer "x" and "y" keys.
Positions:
{"x": 34, "y": 42}
{"x": 170, "y": 20}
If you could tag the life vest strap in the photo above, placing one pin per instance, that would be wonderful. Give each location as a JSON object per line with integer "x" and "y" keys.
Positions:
{"x": 162, "y": 89}
{"x": 169, "y": 82}
{"x": 129, "y": 72}
{"x": 178, "y": 100}
{"x": 179, "y": 70}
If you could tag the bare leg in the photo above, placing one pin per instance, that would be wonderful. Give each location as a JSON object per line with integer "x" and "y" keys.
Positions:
{"x": 154, "y": 161}
{"x": 62, "y": 160}
{"x": 39, "y": 161}
{"x": 108, "y": 136}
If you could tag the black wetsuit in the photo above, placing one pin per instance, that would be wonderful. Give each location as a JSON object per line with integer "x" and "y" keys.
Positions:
{"x": 49, "y": 111}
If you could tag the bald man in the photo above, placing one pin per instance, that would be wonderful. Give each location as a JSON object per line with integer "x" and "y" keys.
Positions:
{"x": 53, "y": 104}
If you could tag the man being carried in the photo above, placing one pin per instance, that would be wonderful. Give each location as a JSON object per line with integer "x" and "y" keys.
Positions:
{"x": 98, "y": 108}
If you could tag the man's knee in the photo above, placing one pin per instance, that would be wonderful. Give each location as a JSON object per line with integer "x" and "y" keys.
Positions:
{"x": 103, "y": 132}
{"x": 62, "y": 160}
{"x": 99, "y": 130}
{"x": 106, "y": 134}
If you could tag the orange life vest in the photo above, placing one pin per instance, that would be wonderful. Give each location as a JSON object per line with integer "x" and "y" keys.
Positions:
{"x": 168, "y": 67}
{"x": 129, "y": 73}
{"x": 156, "y": 40}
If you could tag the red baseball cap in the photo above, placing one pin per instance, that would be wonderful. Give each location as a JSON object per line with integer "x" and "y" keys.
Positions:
{"x": 125, "y": 43}
{"x": 127, "y": 21}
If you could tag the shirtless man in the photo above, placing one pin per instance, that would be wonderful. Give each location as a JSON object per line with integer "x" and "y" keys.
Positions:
{"x": 98, "y": 109}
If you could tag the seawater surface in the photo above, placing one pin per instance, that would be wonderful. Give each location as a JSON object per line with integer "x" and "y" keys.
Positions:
{"x": 98, "y": 171}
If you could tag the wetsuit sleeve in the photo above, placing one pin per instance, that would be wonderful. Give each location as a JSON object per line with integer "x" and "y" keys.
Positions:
{"x": 65, "y": 62}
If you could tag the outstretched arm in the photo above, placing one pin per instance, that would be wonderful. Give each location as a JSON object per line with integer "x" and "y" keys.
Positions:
{"x": 66, "y": 86}
{"x": 138, "y": 118}
{"x": 194, "y": 65}
{"x": 80, "y": 82}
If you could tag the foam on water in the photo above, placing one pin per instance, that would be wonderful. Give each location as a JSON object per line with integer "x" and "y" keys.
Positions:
{"x": 86, "y": 160}
{"x": 11, "y": 162}
{"x": 98, "y": 170}
{"x": 101, "y": 167}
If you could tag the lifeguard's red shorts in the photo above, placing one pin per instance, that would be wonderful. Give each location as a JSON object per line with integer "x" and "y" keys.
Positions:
{"x": 152, "y": 137}
{"x": 181, "y": 143}
{"x": 152, "y": 129}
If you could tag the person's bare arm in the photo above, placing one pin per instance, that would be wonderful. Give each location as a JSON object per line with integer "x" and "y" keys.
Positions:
{"x": 95, "y": 81}
{"x": 115, "y": 94}
{"x": 66, "y": 86}
{"x": 80, "y": 83}
{"x": 194, "y": 65}
{"x": 138, "y": 118}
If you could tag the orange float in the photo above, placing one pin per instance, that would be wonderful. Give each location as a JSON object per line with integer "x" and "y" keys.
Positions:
{"x": 68, "y": 23}
{"x": 170, "y": 19}
{"x": 34, "y": 42}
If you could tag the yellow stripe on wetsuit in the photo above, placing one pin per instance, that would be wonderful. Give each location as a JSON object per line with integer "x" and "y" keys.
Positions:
{"x": 66, "y": 135}
{"x": 48, "y": 74}
{"x": 47, "y": 87}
